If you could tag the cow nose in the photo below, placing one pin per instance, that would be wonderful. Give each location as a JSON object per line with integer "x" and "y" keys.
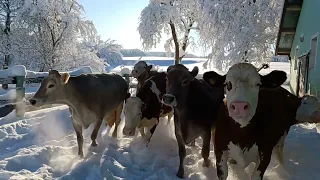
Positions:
{"x": 32, "y": 101}
{"x": 169, "y": 99}
{"x": 239, "y": 109}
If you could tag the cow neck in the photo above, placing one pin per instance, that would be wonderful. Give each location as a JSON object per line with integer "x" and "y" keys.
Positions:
{"x": 69, "y": 95}
{"x": 142, "y": 78}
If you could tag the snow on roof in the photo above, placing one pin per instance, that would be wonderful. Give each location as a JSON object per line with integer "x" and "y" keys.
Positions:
{"x": 77, "y": 72}
{"x": 17, "y": 70}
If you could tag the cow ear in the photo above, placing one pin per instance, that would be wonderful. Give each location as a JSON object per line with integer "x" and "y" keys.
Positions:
{"x": 274, "y": 79}
{"x": 194, "y": 72}
{"x": 54, "y": 72}
{"x": 214, "y": 79}
{"x": 65, "y": 78}
{"x": 149, "y": 67}
{"x": 169, "y": 68}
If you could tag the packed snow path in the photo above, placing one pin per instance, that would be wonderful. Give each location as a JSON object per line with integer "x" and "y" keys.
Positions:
{"x": 43, "y": 146}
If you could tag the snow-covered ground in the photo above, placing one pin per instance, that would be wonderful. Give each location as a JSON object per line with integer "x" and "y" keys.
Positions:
{"x": 42, "y": 145}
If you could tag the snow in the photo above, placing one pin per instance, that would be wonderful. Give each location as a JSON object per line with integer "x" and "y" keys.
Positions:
{"x": 77, "y": 72}
{"x": 42, "y": 145}
{"x": 125, "y": 71}
{"x": 17, "y": 70}
{"x": 10, "y": 95}
{"x": 31, "y": 150}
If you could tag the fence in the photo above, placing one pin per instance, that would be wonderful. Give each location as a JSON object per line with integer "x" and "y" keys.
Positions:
{"x": 15, "y": 98}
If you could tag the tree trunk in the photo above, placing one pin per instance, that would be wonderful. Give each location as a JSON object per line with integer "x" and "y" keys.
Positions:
{"x": 186, "y": 39}
{"x": 6, "y": 61}
{"x": 7, "y": 30}
{"x": 176, "y": 43}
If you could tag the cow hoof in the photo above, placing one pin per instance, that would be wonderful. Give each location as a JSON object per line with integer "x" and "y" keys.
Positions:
{"x": 206, "y": 163}
{"x": 180, "y": 174}
{"x": 94, "y": 144}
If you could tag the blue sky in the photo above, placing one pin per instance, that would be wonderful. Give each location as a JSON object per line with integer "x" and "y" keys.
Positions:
{"x": 118, "y": 20}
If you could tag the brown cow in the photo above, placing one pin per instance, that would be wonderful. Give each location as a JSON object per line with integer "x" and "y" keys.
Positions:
{"x": 195, "y": 105}
{"x": 252, "y": 139}
{"x": 90, "y": 97}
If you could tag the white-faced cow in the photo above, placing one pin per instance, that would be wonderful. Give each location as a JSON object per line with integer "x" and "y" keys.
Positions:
{"x": 146, "y": 108}
{"x": 141, "y": 71}
{"x": 195, "y": 105}
{"x": 252, "y": 136}
{"x": 90, "y": 97}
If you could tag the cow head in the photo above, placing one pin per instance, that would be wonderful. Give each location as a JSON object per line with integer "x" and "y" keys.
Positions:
{"x": 51, "y": 89}
{"x": 242, "y": 88}
{"x": 140, "y": 68}
{"x": 133, "y": 115}
{"x": 178, "y": 81}
{"x": 309, "y": 110}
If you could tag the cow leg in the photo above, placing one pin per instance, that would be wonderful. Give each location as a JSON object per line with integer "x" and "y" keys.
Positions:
{"x": 78, "y": 130}
{"x": 95, "y": 131}
{"x": 170, "y": 115}
{"x": 151, "y": 131}
{"x": 206, "y": 149}
{"x": 278, "y": 150}
{"x": 221, "y": 164}
{"x": 142, "y": 131}
{"x": 182, "y": 152}
{"x": 265, "y": 158}
{"x": 117, "y": 120}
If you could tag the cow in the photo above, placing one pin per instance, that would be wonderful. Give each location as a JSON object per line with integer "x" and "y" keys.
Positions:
{"x": 195, "y": 106}
{"x": 114, "y": 118}
{"x": 90, "y": 98}
{"x": 141, "y": 71}
{"x": 246, "y": 136}
{"x": 146, "y": 108}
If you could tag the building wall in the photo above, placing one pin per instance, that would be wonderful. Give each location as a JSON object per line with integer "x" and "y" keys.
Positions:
{"x": 309, "y": 26}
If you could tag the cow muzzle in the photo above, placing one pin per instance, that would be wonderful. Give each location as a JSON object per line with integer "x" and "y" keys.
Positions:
{"x": 169, "y": 99}
{"x": 239, "y": 109}
{"x": 35, "y": 102}
{"x": 128, "y": 131}
{"x": 134, "y": 73}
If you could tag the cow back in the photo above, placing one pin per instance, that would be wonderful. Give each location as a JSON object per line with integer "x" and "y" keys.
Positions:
{"x": 100, "y": 93}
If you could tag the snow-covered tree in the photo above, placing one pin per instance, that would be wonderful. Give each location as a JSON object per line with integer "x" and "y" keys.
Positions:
{"x": 108, "y": 51}
{"x": 55, "y": 27}
{"x": 175, "y": 18}
{"x": 239, "y": 30}
{"x": 8, "y": 11}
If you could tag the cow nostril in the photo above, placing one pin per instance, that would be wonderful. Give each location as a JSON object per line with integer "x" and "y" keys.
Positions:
{"x": 32, "y": 102}
{"x": 246, "y": 107}
{"x": 233, "y": 107}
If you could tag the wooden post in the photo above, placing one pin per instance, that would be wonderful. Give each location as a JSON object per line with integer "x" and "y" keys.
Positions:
{"x": 127, "y": 78}
{"x": 5, "y": 86}
{"x": 20, "y": 104}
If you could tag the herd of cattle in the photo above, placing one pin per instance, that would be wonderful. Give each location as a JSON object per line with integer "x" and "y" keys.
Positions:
{"x": 247, "y": 115}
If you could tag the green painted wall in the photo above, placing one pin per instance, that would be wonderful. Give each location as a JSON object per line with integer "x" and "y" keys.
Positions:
{"x": 309, "y": 26}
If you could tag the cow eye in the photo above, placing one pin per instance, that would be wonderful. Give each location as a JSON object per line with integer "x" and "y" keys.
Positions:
{"x": 185, "y": 82}
{"x": 229, "y": 85}
{"x": 51, "y": 86}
